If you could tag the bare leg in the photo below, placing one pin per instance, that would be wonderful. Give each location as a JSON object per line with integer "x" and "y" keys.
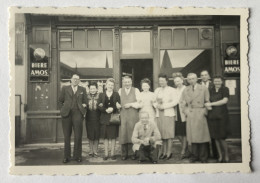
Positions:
{"x": 91, "y": 147}
{"x": 225, "y": 147}
{"x": 169, "y": 147}
{"x": 95, "y": 146}
{"x": 164, "y": 147}
{"x": 219, "y": 150}
{"x": 113, "y": 145}
{"x": 106, "y": 147}
{"x": 184, "y": 145}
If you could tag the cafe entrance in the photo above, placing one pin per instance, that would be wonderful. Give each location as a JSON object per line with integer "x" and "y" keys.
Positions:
{"x": 137, "y": 69}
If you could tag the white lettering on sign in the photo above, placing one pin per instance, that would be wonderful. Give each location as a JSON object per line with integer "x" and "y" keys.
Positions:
{"x": 36, "y": 72}
{"x": 39, "y": 65}
{"x": 232, "y": 69}
{"x": 232, "y": 62}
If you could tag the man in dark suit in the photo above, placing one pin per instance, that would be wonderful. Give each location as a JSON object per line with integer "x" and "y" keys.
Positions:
{"x": 73, "y": 100}
{"x": 205, "y": 80}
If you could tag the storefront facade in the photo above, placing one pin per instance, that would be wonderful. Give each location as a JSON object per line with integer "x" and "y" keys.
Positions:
{"x": 97, "y": 48}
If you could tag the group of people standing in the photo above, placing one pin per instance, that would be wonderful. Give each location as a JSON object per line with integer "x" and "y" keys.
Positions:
{"x": 196, "y": 114}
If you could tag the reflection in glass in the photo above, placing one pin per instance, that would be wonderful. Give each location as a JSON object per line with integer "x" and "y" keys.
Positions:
{"x": 136, "y": 43}
{"x": 185, "y": 61}
{"x": 89, "y": 65}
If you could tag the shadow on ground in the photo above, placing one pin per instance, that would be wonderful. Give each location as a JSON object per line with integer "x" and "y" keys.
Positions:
{"x": 53, "y": 154}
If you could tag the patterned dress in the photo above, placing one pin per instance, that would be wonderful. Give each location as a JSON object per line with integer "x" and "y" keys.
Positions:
{"x": 93, "y": 118}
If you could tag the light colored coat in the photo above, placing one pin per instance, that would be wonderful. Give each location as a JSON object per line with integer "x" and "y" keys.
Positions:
{"x": 193, "y": 106}
{"x": 140, "y": 134}
{"x": 169, "y": 100}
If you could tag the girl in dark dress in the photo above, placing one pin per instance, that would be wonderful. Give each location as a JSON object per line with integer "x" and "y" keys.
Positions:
{"x": 107, "y": 104}
{"x": 92, "y": 120}
{"x": 218, "y": 120}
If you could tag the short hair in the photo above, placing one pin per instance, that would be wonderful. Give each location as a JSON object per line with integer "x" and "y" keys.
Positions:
{"x": 177, "y": 75}
{"x": 110, "y": 80}
{"x": 204, "y": 71}
{"x": 93, "y": 83}
{"x": 143, "y": 112}
{"x": 126, "y": 77}
{"x": 162, "y": 75}
{"x": 145, "y": 80}
{"x": 74, "y": 75}
{"x": 218, "y": 77}
{"x": 192, "y": 74}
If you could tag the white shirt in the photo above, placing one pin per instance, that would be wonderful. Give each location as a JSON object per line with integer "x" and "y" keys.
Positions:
{"x": 74, "y": 88}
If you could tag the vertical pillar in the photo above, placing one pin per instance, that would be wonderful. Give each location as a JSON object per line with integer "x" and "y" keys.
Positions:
{"x": 217, "y": 63}
{"x": 116, "y": 58}
{"x": 156, "y": 57}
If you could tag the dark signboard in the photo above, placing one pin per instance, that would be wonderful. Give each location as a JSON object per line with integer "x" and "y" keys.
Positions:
{"x": 231, "y": 59}
{"x": 39, "y": 63}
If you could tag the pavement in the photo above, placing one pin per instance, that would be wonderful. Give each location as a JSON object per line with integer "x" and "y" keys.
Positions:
{"x": 52, "y": 154}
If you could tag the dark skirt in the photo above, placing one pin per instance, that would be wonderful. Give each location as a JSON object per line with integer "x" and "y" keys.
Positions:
{"x": 109, "y": 131}
{"x": 180, "y": 127}
{"x": 219, "y": 128}
{"x": 93, "y": 125}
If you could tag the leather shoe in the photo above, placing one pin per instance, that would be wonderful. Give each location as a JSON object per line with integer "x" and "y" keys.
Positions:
{"x": 193, "y": 160}
{"x": 113, "y": 157}
{"x": 65, "y": 160}
{"x": 165, "y": 156}
{"x": 79, "y": 160}
{"x": 105, "y": 158}
{"x": 133, "y": 157}
{"x": 123, "y": 158}
{"x": 169, "y": 157}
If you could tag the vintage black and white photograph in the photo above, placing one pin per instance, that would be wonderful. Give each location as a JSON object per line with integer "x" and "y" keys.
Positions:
{"x": 100, "y": 88}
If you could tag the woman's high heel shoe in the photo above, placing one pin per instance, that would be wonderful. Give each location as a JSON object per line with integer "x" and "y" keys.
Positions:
{"x": 164, "y": 156}
{"x": 169, "y": 157}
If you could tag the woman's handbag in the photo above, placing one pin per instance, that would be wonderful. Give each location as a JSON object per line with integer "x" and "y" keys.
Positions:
{"x": 115, "y": 119}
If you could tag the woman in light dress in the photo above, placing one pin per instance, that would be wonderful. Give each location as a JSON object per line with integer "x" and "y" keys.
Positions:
{"x": 147, "y": 99}
{"x": 165, "y": 102}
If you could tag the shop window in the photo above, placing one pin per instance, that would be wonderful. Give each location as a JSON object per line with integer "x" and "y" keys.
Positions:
{"x": 185, "y": 61}
{"x": 89, "y": 65}
{"x": 65, "y": 38}
{"x": 179, "y": 38}
{"x": 106, "y": 39}
{"x": 193, "y": 37}
{"x": 166, "y": 38}
{"x": 136, "y": 43}
{"x": 79, "y": 39}
{"x": 93, "y": 39}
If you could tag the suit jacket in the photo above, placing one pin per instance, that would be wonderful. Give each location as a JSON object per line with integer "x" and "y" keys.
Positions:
{"x": 211, "y": 85}
{"x": 65, "y": 100}
{"x": 140, "y": 134}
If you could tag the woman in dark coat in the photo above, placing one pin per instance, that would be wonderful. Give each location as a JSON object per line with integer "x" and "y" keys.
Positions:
{"x": 107, "y": 104}
{"x": 218, "y": 120}
{"x": 92, "y": 120}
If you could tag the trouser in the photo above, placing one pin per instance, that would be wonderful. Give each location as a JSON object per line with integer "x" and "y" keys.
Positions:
{"x": 127, "y": 149}
{"x": 199, "y": 151}
{"x": 148, "y": 152}
{"x": 73, "y": 121}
